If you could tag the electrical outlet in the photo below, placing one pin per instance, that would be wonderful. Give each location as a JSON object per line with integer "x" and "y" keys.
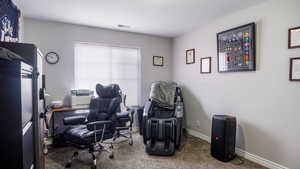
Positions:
{"x": 198, "y": 123}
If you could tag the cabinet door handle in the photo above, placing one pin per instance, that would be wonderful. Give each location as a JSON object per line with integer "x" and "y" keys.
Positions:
{"x": 27, "y": 126}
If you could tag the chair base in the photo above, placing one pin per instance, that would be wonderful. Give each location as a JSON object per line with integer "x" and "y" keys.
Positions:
{"x": 127, "y": 135}
{"x": 96, "y": 148}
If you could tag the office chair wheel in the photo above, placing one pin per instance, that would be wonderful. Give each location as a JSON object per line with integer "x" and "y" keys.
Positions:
{"x": 131, "y": 142}
{"x": 68, "y": 165}
{"x": 75, "y": 154}
{"x": 45, "y": 150}
{"x": 111, "y": 155}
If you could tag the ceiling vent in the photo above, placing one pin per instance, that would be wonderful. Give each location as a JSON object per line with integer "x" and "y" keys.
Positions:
{"x": 124, "y": 26}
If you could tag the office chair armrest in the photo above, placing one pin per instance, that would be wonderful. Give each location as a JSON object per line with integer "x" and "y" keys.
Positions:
{"x": 74, "y": 120}
{"x": 98, "y": 125}
{"x": 123, "y": 114}
{"x": 99, "y": 122}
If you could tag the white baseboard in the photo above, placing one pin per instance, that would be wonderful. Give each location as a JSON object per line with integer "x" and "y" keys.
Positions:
{"x": 198, "y": 135}
{"x": 258, "y": 159}
{"x": 252, "y": 157}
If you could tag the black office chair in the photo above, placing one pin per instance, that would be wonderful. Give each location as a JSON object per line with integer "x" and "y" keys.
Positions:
{"x": 99, "y": 125}
{"x": 163, "y": 122}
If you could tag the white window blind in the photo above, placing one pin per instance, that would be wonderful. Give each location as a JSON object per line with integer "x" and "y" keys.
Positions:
{"x": 105, "y": 65}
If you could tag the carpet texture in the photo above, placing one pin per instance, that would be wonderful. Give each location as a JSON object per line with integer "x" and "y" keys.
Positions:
{"x": 195, "y": 154}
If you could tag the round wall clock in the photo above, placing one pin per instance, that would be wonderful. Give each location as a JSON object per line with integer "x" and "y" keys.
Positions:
{"x": 52, "y": 58}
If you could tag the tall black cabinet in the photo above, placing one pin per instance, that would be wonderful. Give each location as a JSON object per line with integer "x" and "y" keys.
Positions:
{"x": 21, "y": 104}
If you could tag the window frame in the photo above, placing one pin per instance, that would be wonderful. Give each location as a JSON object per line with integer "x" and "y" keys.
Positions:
{"x": 111, "y": 45}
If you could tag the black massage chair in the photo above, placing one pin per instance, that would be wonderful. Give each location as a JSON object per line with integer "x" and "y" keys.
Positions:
{"x": 102, "y": 123}
{"x": 162, "y": 128}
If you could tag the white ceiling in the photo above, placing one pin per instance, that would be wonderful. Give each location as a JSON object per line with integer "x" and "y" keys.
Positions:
{"x": 168, "y": 18}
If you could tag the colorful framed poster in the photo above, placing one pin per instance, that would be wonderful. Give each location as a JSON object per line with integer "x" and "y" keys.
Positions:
{"x": 9, "y": 21}
{"x": 190, "y": 56}
{"x": 236, "y": 49}
{"x": 295, "y": 69}
{"x": 205, "y": 65}
{"x": 158, "y": 61}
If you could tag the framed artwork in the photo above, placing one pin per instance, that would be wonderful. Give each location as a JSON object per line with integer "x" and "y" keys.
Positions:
{"x": 158, "y": 61}
{"x": 190, "y": 56}
{"x": 295, "y": 69}
{"x": 236, "y": 49}
{"x": 294, "y": 38}
{"x": 9, "y": 21}
{"x": 205, "y": 65}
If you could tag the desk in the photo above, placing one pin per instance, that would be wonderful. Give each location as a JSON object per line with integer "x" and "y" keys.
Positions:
{"x": 62, "y": 109}
{"x": 57, "y": 125}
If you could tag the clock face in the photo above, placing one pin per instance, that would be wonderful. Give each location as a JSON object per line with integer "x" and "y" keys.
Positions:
{"x": 52, "y": 58}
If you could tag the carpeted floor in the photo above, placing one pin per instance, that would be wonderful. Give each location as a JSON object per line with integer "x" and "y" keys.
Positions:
{"x": 195, "y": 154}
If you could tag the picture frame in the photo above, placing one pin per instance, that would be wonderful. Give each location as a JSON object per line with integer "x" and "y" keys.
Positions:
{"x": 9, "y": 21}
{"x": 236, "y": 49}
{"x": 295, "y": 69}
{"x": 294, "y": 38}
{"x": 190, "y": 56}
{"x": 205, "y": 65}
{"x": 158, "y": 61}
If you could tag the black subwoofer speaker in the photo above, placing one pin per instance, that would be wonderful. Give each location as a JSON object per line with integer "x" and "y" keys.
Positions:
{"x": 223, "y": 137}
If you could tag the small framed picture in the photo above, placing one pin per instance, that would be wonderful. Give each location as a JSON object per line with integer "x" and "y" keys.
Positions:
{"x": 190, "y": 56}
{"x": 294, "y": 38}
{"x": 158, "y": 61}
{"x": 295, "y": 69}
{"x": 205, "y": 65}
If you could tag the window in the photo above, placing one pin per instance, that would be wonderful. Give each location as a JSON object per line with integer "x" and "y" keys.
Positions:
{"x": 105, "y": 65}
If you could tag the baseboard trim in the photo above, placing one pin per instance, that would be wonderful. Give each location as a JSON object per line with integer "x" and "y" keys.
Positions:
{"x": 259, "y": 160}
{"x": 249, "y": 156}
{"x": 198, "y": 135}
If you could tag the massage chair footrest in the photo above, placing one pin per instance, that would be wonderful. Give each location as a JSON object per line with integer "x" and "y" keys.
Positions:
{"x": 161, "y": 136}
{"x": 160, "y": 148}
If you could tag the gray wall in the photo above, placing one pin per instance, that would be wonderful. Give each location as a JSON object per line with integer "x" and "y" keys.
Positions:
{"x": 59, "y": 37}
{"x": 265, "y": 103}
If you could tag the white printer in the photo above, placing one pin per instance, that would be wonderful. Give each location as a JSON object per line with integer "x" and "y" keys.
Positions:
{"x": 80, "y": 98}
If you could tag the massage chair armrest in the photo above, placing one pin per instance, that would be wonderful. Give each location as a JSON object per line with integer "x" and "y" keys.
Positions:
{"x": 145, "y": 120}
{"x": 147, "y": 108}
{"x": 74, "y": 120}
{"x": 179, "y": 109}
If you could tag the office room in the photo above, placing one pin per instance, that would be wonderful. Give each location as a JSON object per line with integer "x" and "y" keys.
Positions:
{"x": 150, "y": 84}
